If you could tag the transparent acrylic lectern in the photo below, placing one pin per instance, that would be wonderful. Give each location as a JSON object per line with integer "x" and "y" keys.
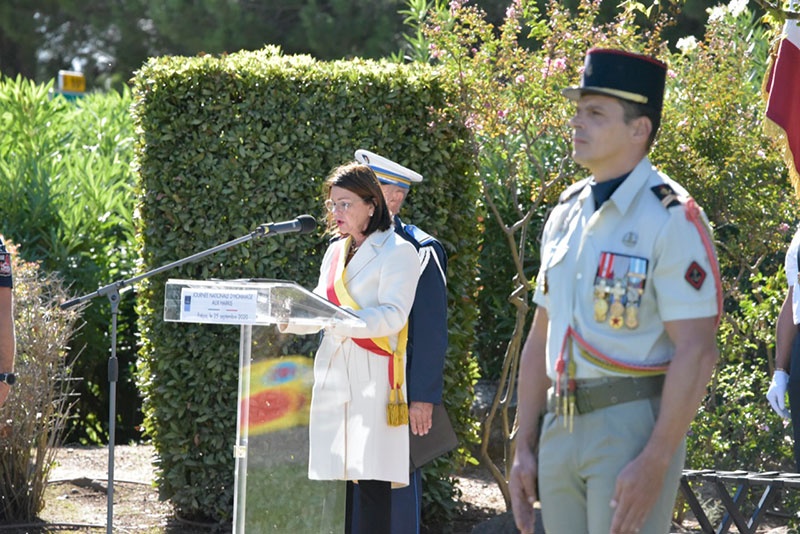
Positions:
{"x": 273, "y": 494}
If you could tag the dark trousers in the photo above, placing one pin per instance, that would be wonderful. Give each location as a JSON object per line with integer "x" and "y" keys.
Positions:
{"x": 794, "y": 396}
{"x": 406, "y": 508}
{"x": 374, "y": 507}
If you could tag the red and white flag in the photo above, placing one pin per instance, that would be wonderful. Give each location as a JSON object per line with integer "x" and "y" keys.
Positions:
{"x": 783, "y": 96}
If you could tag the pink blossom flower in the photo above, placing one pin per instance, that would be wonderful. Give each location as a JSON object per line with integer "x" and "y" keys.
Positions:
{"x": 502, "y": 113}
{"x": 520, "y": 78}
{"x": 783, "y": 227}
{"x": 550, "y": 65}
{"x": 455, "y": 5}
{"x": 671, "y": 73}
{"x": 760, "y": 153}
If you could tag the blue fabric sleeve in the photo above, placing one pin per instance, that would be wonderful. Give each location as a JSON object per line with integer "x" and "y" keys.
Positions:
{"x": 427, "y": 335}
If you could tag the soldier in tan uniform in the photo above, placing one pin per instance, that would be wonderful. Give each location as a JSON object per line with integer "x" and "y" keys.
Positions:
{"x": 623, "y": 338}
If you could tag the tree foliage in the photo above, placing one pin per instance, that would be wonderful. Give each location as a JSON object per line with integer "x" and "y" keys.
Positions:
{"x": 510, "y": 99}
{"x": 510, "y": 78}
{"x": 109, "y": 40}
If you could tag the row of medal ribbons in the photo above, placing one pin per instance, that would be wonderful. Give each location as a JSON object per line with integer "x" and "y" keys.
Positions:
{"x": 618, "y": 289}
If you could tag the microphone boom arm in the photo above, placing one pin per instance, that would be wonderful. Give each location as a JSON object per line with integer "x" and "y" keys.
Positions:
{"x": 304, "y": 223}
{"x": 116, "y": 286}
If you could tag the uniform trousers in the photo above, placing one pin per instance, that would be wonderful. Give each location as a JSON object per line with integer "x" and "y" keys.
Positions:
{"x": 794, "y": 396}
{"x": 406, "y": 507}
{"x": 578, "y": 470}
{"x": 374, "y": 514}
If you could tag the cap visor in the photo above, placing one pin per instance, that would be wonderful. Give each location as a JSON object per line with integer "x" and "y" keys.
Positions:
{"x": 573, "y": 93}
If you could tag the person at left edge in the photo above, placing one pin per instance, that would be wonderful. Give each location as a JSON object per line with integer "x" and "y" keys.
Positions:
{"x": 358, "y": 423}
{"x": 427, "y": 333}
{"x": 7, "y": 339}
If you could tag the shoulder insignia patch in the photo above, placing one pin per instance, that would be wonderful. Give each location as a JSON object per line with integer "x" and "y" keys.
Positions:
{"x": 695, "y": 275}
{"x": 419, "y": 236}
{"x": 666, "y": 195}
{"x": 573, "y": 190}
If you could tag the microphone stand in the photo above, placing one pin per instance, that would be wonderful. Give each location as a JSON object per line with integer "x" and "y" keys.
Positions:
{"x": 112, "y": 292}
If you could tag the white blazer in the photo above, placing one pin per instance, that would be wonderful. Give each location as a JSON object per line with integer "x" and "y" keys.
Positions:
{"x": 349, "y": 436}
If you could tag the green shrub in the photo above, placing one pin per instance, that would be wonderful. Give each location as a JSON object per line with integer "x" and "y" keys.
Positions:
{"x": 227, "y": 143}
{"x": 711, "y": 142}
{"x": 66, "y": 198}
{"x": 35, "y": 414}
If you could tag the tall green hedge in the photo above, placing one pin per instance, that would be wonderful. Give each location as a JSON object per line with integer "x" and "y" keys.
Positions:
{"x": 227, "y": 143}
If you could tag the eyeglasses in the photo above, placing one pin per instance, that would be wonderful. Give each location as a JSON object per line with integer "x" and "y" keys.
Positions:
{"x": 342, "y": 205}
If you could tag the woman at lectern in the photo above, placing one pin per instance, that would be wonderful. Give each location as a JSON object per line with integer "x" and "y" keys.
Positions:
{"x": 358, "y": 427}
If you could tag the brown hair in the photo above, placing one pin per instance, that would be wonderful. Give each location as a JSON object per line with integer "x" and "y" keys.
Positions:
{"x": 633, "y": 110}
{"x": 359, "y": 179}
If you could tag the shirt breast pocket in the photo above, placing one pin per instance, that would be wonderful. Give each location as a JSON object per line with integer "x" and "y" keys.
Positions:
{"x": 556, "y": 253}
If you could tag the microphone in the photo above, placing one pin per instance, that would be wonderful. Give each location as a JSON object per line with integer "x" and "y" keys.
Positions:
{"x": 303, "y": 224}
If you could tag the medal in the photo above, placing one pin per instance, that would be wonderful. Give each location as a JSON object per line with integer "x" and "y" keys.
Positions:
{"x": 601, "y": 287}
{"x": 600, "y": 308}
{"x": 617, "y": 308}
{"x": 637, "y": 272}
{"x": 631, "y": 317}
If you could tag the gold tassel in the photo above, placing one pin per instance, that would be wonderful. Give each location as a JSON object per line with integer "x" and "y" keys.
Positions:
{"x": 397, "y": 410}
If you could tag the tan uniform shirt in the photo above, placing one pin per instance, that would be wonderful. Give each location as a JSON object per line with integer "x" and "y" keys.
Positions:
{"x": 654, "y": 260}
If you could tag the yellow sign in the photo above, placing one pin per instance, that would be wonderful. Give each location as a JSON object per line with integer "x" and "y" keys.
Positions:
{"x": 71, "y": 81}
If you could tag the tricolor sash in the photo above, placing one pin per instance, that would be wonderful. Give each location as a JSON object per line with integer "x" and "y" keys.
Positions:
{"x": 397, "y": 410}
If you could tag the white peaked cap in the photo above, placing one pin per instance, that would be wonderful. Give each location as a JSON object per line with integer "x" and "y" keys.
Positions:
{"x": 387, "y": 171}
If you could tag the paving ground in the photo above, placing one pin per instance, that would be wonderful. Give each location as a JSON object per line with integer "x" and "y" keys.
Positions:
{"x": 77, "y": 497}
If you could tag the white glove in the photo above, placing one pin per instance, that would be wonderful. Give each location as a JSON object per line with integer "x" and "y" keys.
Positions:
{"x": 776, "y": 395}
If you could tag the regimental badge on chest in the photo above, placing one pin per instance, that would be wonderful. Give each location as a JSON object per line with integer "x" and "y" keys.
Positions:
{"x": 618, "y": 289}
